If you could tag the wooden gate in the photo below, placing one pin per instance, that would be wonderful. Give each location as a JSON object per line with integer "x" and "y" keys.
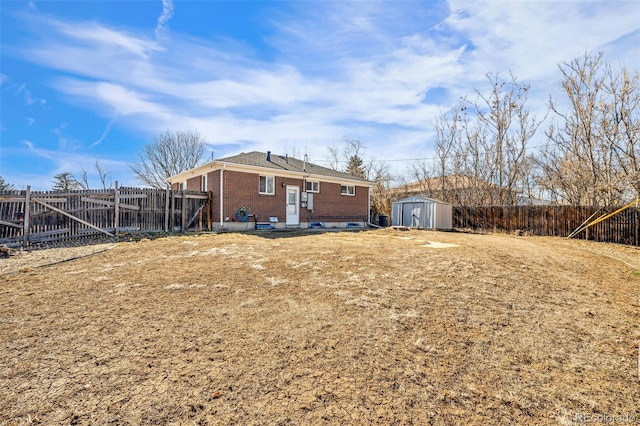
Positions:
{"x": 30, "y": 217}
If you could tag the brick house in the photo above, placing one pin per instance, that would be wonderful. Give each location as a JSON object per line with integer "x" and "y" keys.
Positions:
{"x": 263, "y": 190}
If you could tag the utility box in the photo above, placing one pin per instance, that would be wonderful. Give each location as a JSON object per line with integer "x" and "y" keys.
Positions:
{"x": 306, "y": 200}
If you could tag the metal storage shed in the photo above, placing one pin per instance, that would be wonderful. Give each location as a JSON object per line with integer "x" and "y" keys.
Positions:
{"x": 421, "y": 212}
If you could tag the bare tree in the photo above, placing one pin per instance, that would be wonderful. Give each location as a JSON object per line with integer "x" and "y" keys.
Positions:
{"x": 421, "y": 174}
{"x": 622, "y": 124}
{"x": 573, "y": 166}
{"x": 103, "y": 176}
{"x": 481, "y": 147}
{"x": 447, "y": 128}
{"x": 84, "y": 179}
{"x": 335, "y": 157}
{"x": 382, "y": 190}
{"x": 592, "y": 154}
{"x": 505, "y": 127}
{"x": 352, "y": 154}
{"x": 169, "y": 154}
{"x": 432, "y": 176}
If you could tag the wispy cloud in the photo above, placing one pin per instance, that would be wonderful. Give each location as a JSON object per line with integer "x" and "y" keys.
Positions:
{"x": 47, "y": 154}
{"x": 64, "y": 161}
{"x": 20, "y": 90}
{"x": 167, "y": 13}
{"x": 357, "y": 69}
{"x": 63, "y": 141}
{"x": 28, "y": 99}
{"x": 533, "y": 37}
{"x": 94, "y": 34}
{"x": 104, "y": 133}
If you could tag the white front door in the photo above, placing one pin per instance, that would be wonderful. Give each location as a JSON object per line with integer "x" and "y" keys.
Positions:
{"x": 293, "y": 205}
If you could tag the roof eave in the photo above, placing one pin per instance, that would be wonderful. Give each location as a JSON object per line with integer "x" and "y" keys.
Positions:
{"x": 196, "y": 171}
{"x": 217, "y": 164}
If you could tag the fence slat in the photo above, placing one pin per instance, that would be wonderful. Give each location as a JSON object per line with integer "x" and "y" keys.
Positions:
{"x": 13, "y": 225}
{"x": 116, "y": 208}
{"x": 28, "y": 217}
{"x": 70, "y": 216}
{"x": 27, "y": 213}
{"x": 552, "y": 220}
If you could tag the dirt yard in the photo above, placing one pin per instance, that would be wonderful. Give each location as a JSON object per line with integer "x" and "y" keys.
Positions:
{"x": 375, "y": 327}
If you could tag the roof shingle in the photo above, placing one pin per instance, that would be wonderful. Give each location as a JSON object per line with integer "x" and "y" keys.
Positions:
{"x": 278, "y": 162}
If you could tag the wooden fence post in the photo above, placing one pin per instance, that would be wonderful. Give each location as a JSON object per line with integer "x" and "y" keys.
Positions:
{"x": 172, "y": 220}
{"x": 183, "y": 221}
{"x": 27, "y": 212}
{"x": 167, "y": 195}
{"x": 116, "y": 207}
{"x": 637, "y": 215}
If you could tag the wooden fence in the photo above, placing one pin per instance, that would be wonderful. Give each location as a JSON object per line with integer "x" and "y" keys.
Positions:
{"x": 559, "y": 221}
{"x": 30, "y": 217}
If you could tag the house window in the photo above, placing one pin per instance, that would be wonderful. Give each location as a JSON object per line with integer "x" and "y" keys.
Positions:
{"x": 313, "y": 186}
{"x": 203, "y": 183}
{"x": 267, "y": 185}
{"x": 348, "y": 190}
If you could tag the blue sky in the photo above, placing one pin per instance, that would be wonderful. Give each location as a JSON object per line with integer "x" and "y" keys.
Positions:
{"x": 95, "y": 80}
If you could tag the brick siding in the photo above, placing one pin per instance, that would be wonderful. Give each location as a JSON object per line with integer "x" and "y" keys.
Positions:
{"x": 241, "y": 190}
{"x": 193, "y": 184}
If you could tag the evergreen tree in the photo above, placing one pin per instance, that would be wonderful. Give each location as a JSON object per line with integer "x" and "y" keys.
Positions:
{"x": 65, "y": 181}
{"x": 355, "y": 167}
{"x": 5, "y": 186}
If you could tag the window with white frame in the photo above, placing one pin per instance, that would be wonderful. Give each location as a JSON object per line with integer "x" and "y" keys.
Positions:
{"x": 313, "y": 186}
{"x": 203, "y": 183}
{"x": 347, "y": 190}
{"x": 267, "y": 185}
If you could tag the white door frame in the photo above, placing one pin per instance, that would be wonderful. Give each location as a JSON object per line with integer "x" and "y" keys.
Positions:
{"x": 293, "y": 209}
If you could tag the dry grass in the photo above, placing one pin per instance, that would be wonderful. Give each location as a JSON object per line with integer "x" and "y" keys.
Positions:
{"x": 340, "y": 328}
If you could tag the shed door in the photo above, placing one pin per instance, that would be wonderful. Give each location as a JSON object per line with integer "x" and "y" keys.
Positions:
{"x": 411, "y": 214}
{"x": 293, "y": 204}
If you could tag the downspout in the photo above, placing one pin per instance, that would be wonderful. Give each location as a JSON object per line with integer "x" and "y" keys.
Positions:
{"x": 222, "y": 195}
{"x": 369, "y": 209}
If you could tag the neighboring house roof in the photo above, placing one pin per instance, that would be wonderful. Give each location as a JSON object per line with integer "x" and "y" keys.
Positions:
{"x": 450, "y": 182}
{"x": 528, "y": 201}
{"x": 280, "y": 165}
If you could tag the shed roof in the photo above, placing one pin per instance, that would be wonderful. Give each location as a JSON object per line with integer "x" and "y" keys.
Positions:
{"x": 419, "y": 199}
